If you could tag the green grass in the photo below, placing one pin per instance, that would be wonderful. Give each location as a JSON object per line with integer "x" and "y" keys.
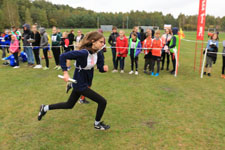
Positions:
{"x": 163, "y": 113}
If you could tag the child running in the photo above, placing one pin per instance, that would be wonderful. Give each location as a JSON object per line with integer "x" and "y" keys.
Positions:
{"x": 86, "y": 58}
{"x": 156, "y": 52}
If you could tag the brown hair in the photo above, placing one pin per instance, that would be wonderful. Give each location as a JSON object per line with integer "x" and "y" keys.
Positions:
{"x": 216, "y": 35}
{"x": 89, "y": 38}
{"x": 134, "y": 34}
{"x": 114, "y": 28}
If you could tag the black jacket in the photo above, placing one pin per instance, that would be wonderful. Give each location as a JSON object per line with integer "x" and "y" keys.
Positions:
{"x": 71, "y": 38}
{"x": 37, "y": 38}
{"x": 26, "y": 35}
{"x": 213, "y": 55}
{"x": 112, "y": 38}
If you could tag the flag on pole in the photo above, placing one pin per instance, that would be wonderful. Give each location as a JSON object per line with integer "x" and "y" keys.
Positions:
{"x": 181, "y": 34}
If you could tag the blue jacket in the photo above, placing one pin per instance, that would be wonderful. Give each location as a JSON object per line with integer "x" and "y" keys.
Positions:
{"x": 85, "y": 62}
{"x": 11, "y": 60}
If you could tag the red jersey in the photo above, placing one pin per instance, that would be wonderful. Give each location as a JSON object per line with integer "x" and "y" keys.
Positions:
{"x": 147, "y": 44}
{"x": 157, "y": 47}
{"x": 121, "y": 47}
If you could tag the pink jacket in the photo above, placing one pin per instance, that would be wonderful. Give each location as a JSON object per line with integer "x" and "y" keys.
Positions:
{"x": 14, "y": 46}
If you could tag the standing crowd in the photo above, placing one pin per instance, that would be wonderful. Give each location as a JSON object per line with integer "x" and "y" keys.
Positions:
{"x": 157, "y": 48}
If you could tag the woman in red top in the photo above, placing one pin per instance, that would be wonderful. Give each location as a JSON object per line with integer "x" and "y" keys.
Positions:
{"x": 156, "y": 52}
{"x": 147, "y": 51}
{"x": 121, "y": 50}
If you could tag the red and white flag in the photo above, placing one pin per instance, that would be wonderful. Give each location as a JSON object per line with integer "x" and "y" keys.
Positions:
{"x": 201, "y": 20}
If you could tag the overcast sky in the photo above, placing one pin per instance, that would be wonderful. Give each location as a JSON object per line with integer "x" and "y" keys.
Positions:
{"x": 175, "y": 7}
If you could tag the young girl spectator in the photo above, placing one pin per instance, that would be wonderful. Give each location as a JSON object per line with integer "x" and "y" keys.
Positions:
{"x": 173, "y": 46}
{"x": 147, "y": 51}
{"x": 165, "y": 53}
{"x": 212, "y": 46}
{"x": 121, "y": 50}
{"x": 78, "y": 38}
{"x": 14, "y": 49}
{"x": 36, "y": 46}
{"x": 44, "y": 46}
{"x": 112, "y": 41}
{"x": 71, "y": 39}
{"x": 156, "y": 52}
{"x": 65, "y": 45}
{"x": 223, "y": 56}
{"x": 134, "y": 50}
{"x": 56, "y": 47}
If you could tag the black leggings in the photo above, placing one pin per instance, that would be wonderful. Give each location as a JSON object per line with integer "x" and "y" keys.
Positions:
{"x": 173, "y": 61}
{"x": 223, "y": 68}
{"x": 164, "y": 55}
{"x": 16, "y": 58}
{"x": 36, "y": 55}
{"x": 148, "y": 63}
{"x": 156, "y": 59}
{"x": 114, "y": 57}
{"x": 45, "y": 51}
{"x": 87, "y": 93}
{"x": 56, "y": 53}
{"x": 121, "y": 60}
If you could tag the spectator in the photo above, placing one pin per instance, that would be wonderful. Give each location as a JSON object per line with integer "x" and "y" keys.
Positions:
{"x": 112, "y": 41}
{"x": 26, "y": 37}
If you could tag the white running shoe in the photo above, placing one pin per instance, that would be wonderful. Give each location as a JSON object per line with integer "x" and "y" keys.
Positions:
{"x": 122, "y": 71}
{"x": 16, "y": 67}
{"x": 136, "y": 72}
{"x": 38, "y": 67}
{"x": 131, "y": 72}
{"x": 114, "y": 71}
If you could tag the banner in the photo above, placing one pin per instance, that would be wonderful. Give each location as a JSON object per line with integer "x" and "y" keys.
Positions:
{"x": 201, "y": 20}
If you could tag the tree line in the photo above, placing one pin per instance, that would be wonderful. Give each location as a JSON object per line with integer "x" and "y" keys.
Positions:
{"x": 46, "y": 14}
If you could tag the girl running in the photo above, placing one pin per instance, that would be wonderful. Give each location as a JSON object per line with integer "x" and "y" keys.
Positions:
{"x": 86, "y": 58}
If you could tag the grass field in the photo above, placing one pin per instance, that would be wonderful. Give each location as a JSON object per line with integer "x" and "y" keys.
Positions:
{"x": 154, "y": 113}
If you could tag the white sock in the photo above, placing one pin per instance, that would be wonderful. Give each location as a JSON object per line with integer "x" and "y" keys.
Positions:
{"x": 46, "y": 108}
{"x": 97, "y": 122}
